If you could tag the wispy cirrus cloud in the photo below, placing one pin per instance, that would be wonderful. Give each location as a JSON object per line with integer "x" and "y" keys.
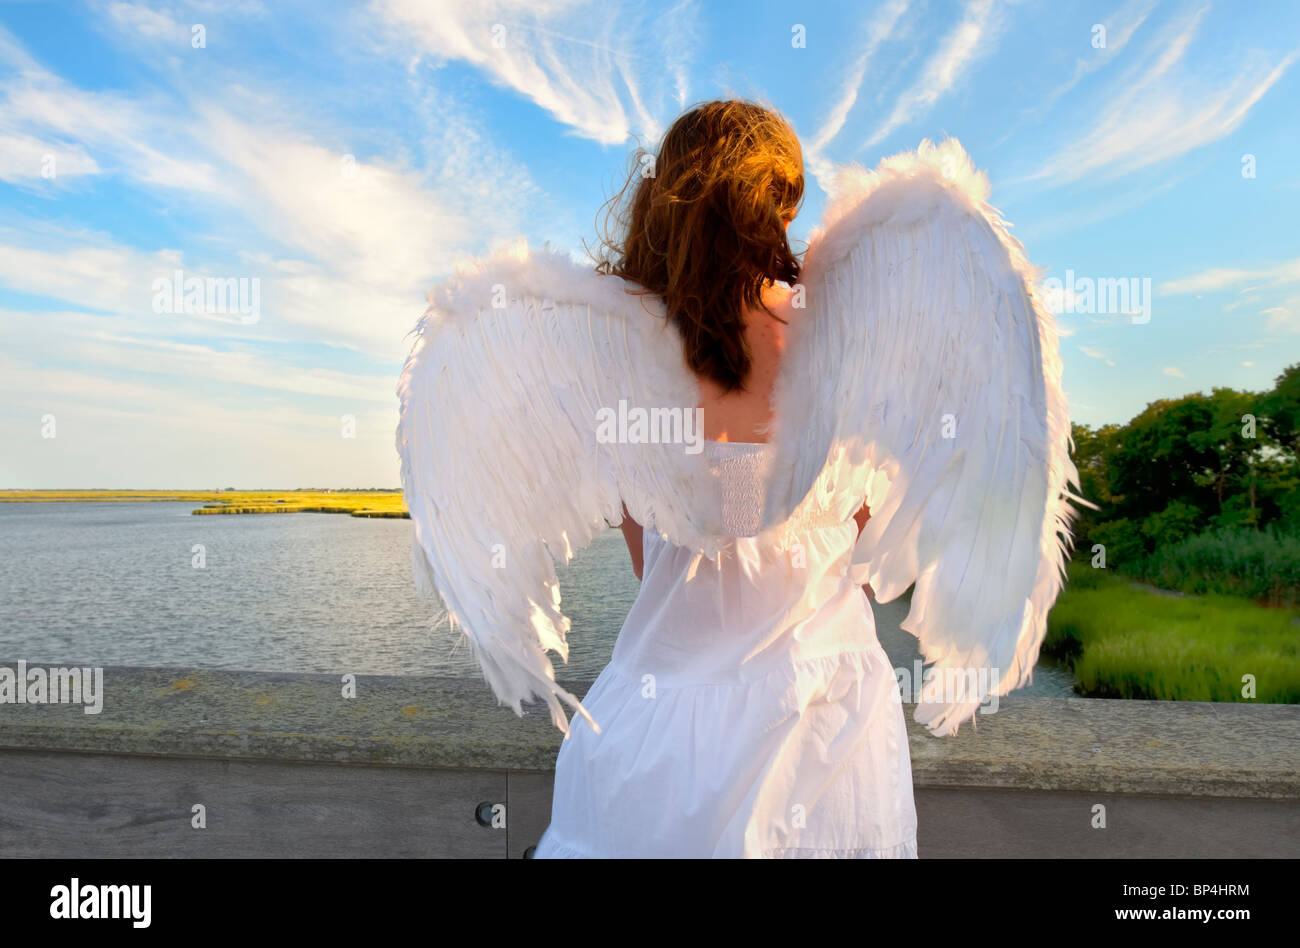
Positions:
{"x": 1222, "y": 278}
{"x": 602, "y": 69}
{"x": 95, "y": 131}
{"x": 149, "y": 22}
{"x": 1120, "y": 28}
{"x": 880, "y": 27}
{"x": 86, "y": 340}
{"x": 26, "y": 159}
{"x": 973, "y": 37}
{"x": 1156, "y": 111}
{"x": 345, "y": 245}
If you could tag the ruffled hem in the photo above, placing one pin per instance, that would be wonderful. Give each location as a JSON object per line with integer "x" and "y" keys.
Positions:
{"x": 904, "y": 850}
{"x": 560, "y": 851}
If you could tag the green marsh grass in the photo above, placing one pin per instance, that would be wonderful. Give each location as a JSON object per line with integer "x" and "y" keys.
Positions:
{"x": 1128, "y": 641}
{"x": 360, "y": 503}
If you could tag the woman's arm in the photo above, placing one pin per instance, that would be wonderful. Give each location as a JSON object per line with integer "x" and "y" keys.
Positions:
{"x": 862, "y": 516}
{"x": 632, "y": 534}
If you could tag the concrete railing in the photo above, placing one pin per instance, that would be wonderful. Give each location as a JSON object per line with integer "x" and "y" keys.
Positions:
{"x": 184, "y": 762}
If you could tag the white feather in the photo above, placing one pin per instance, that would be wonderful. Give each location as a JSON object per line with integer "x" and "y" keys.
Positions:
{"x": 919, "y": 305}
{"x": 501, "y": 465}
{"x": 923, "y": 321}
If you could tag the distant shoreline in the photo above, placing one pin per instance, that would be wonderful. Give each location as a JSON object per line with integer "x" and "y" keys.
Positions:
{"x": 356, "y": 503}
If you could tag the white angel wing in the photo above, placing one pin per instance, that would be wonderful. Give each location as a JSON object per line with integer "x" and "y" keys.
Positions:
{"x": 516, "y": 366}
{"x": 927, "y": 357}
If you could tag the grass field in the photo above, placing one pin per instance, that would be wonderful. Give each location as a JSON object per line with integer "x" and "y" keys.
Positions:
{"x": 1128, "y": 641}
{"x": 359, "y": 503}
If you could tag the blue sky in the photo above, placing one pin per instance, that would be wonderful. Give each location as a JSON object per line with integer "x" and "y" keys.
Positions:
{"x": 345, "y": 157}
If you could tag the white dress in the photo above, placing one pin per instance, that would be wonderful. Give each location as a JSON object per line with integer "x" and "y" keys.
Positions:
{"x": 748, "y": 709}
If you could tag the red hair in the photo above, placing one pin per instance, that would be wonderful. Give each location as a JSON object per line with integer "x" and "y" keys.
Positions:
{"x": 705, "y": 227}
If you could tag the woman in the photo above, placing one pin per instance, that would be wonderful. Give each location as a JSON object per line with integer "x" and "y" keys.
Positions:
{"x": 907, "y": 368}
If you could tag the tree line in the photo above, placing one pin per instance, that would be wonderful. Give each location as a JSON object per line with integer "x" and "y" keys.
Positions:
{"x": 1229, "y": 460}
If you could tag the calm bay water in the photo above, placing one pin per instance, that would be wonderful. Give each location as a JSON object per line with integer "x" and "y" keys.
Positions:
{"x": 114, "y": 584}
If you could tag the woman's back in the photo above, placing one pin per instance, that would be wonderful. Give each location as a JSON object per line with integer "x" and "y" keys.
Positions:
{"x": 743, "y": 414}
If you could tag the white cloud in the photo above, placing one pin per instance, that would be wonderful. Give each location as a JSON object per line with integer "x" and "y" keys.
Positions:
{"x": 374, "y": 223}
{"x": 1174, "y": 371}
{"x": 27, "y": 159}
{"x": 83, "y": 269}
{"x": 346, "y": 246}
{"x": 256, "y": 186}
{"x": 1285, "y": 317}
{"x": 1120, "y": 28}
{"x": 1153, "y": 112}
{"x": 1221, "y": 278}
{"x": 148, "y": 22}
{"x": 879, "y": 29}
{"x": 86, "y": 341}
{"x": 140, "y": 139}
{"x": 1094, "y": 353}
{"x": 540, "y": 49}
{"x": 970, "y": 39}
{"x": 299, "y": 300}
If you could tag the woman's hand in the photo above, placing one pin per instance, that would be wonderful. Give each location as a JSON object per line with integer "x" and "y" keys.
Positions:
{"x": 632, "y": 535}
{"x": 862, "y": 516}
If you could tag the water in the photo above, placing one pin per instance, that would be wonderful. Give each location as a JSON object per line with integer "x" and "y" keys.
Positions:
{"x": 115, "y": 584}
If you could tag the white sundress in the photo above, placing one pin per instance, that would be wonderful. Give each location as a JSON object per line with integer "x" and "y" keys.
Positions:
{"x": 748, "y": 709}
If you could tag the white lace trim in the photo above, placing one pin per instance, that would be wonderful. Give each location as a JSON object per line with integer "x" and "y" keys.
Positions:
{"x": 741, "y": 470}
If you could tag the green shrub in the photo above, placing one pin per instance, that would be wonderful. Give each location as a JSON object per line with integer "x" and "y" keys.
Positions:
{"x": 1122, "y": 539}
{"x": 1174, "y": 524}
{"x": 1257, "y": 564}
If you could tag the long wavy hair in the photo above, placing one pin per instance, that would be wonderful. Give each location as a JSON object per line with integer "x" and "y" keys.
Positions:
{"x": 704, "y": 227}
